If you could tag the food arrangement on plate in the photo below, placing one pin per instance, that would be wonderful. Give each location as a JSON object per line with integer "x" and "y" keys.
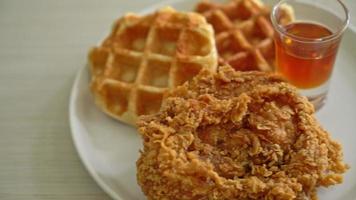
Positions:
{"x": 216, "y": 122}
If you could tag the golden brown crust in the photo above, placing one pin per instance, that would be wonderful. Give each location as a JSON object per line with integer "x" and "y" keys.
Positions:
{"x": 236, "y": 135}
{"x": 146, "y": 56}
{"x": 243, "y": 32}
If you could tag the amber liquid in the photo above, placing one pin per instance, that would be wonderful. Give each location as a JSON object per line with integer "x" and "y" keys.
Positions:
{"x": 305, "y": 65}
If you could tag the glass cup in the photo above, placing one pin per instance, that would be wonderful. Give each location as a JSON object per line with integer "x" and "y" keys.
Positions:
{"x": 306, "y": 46}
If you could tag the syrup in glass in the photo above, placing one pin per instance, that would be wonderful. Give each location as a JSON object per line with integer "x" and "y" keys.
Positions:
{"x": 304, "y": 60}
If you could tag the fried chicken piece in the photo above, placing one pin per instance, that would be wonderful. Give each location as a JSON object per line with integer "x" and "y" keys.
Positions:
{"x": 236, "y": 135}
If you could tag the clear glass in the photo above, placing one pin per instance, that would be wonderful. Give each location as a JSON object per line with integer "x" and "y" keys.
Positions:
{"x": 307, "y": 62}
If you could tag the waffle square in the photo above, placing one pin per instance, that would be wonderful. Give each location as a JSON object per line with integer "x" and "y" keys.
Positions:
{"x": 243, "y": 32}
{"x": 146, "y": 56}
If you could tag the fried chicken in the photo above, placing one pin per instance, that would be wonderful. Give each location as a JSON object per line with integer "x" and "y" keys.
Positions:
{"x": 236, "y": 135}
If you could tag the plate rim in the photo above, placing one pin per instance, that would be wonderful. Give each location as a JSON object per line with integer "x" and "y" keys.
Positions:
{"x": 73, "y": 120}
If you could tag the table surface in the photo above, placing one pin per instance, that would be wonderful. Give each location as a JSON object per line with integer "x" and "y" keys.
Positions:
{"x": 42, "y": 45}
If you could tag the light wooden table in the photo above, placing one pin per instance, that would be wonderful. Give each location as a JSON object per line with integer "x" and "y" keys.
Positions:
{"x": 42, "y": 45}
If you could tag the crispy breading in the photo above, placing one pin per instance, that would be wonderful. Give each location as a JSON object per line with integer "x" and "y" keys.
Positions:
{"x": 236, "y": 135}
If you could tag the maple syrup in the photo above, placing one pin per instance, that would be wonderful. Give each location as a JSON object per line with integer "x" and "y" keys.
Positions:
{"x": 303, "y": 57}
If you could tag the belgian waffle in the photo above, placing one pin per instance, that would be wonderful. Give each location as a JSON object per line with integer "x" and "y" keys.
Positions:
{"x": 243, "y": 32}
{"x": 146, "y": 56}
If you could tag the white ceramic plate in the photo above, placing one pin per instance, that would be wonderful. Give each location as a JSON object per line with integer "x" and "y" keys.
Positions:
{"x": 109, "y": 149}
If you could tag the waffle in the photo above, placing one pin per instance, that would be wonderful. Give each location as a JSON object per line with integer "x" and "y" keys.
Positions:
{"x": 146, "y": 56}
{"x": 243, "y": 32}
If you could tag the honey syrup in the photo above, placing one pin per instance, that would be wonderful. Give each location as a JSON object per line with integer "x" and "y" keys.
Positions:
{"x": 304, "y": 59}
